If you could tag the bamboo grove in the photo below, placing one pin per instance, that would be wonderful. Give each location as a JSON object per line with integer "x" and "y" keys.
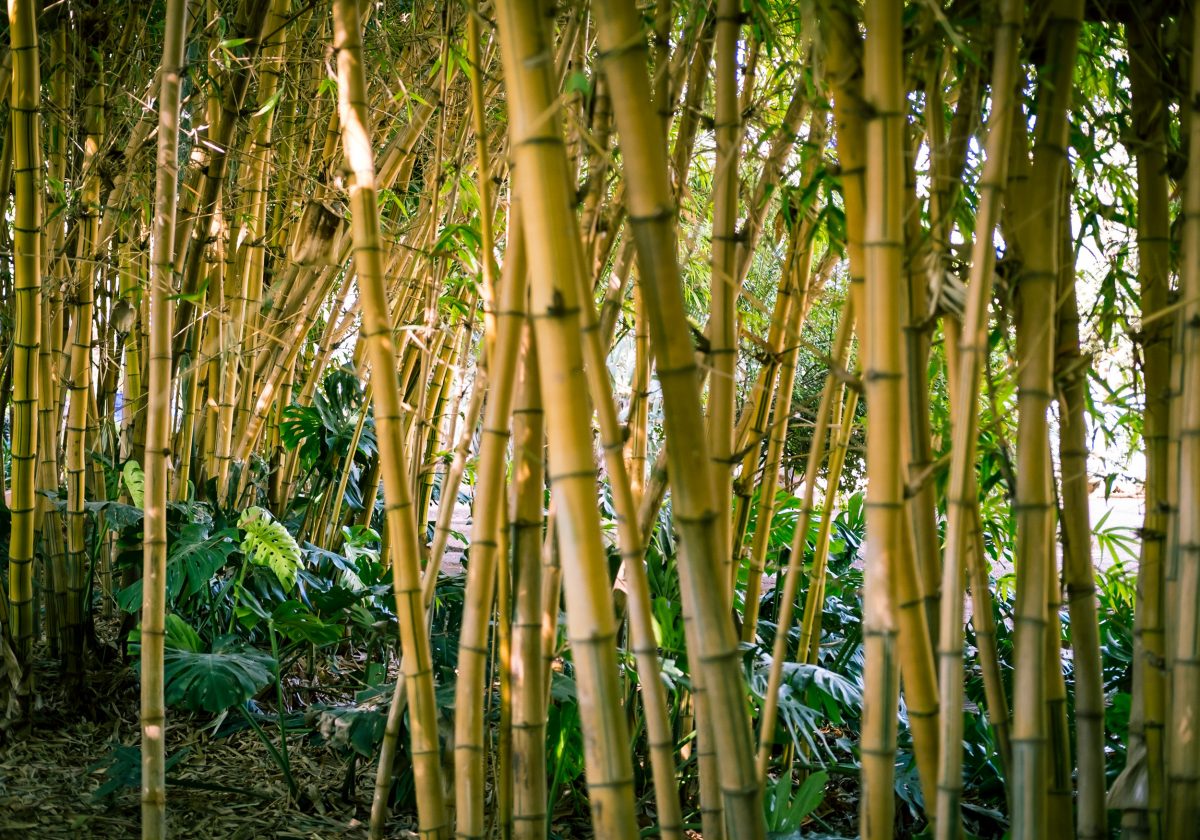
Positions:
{"x": 666, "y": 293}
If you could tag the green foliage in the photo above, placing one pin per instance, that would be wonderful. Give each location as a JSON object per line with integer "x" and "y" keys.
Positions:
{"x": 787, "y": 805}
{"x": 216, "y": 680}
{"x": 267, "y": 543}
{"x": 135, "y": 482}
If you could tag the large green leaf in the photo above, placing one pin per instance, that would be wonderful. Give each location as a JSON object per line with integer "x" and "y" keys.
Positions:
{"x": 135, "y": 482}
{"x": 214, "y": 682}
{"x": 298, "y": 624}
{"x": 267, "y": 543}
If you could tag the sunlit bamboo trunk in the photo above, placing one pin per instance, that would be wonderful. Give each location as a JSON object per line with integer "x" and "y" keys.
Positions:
{"x": 540, "y": 173}
{"x": 713, "y": 647}
{"x": 402, "y": 527}
{"x": 883, "y": 247}
{"x": 723, "y": 319}
{"x": 158, "y": 429}
{"x": 970, "y": 356}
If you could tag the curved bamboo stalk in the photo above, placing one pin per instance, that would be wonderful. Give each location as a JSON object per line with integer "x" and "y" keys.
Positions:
{"x": 158, "y": 429}
{"x": 961, "y": 494}
{"x": 405, "y": 544}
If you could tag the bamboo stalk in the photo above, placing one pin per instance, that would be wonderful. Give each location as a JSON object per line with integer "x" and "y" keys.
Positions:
{"x": 487, "y": 541}
{"x": 402, "y": 527}
{"x": 158, "y": 429}
{"x": 528, "y": 692}
{"x": 540, "y": 170}
{"x": 962, "y": 491}
{"x": 1183, "y": 739}
{"x": 722, "y": 330}
{"x": 883, "y": 247}
{"x": 791, "y": 579}
{"x": 1037, "y": 234}
{"x": 1147, "y": 714}
{"x": 713, "y": 648}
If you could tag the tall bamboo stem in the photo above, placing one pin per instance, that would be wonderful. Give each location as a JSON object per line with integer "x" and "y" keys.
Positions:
{"x": 540, "y": 173}
{"x": 158, "y": 428}
{"x": 971, "y": 356}
{"x": 376, "y": 328}
{"x": 883, "y": 246}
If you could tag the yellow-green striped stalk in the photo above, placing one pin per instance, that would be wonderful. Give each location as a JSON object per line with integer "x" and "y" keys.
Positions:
{"x": 540, "y": 175}
{"x": 158, "y": 428}
{"x": 713, "y": 648}
{"x": 722, "y": 330}
{"x": 79, "y": 387}
{"x": 50, "y": 525}
{"x": 883, "y": 247}
{"x": 970, "y": 357}
{"x": 376, "y": 328}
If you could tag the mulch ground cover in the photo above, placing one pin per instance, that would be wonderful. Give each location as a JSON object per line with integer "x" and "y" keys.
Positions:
{"x": 223, "y": 786}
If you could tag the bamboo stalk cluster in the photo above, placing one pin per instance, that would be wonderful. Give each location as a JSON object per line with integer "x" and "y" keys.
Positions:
{"x": 318, "y": 171}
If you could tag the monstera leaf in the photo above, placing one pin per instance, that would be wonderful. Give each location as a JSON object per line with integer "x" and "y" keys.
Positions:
{"x": 298, "y": 624}
{"x": 267, "y": 543}
{"x": 213, "y": 682}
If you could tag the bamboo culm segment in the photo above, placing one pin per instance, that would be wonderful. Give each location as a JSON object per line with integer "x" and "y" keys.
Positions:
{"x": 651, "y": 211}
{"x": 883, "y": 247}
{"x": 540, "y": 176}
{"x": 158, "y": 429}
{"x": 971, "y": 356}
{"x": 376, "y": 331}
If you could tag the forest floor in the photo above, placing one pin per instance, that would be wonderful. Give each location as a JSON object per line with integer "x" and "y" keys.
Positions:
{"x": 224, "y": 786}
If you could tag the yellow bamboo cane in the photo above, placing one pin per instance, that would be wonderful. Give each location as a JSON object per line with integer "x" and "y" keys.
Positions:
{"x": 540, "y": 172}
{"x": 402, "y": 527}
{"x": 158, "y": 429}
